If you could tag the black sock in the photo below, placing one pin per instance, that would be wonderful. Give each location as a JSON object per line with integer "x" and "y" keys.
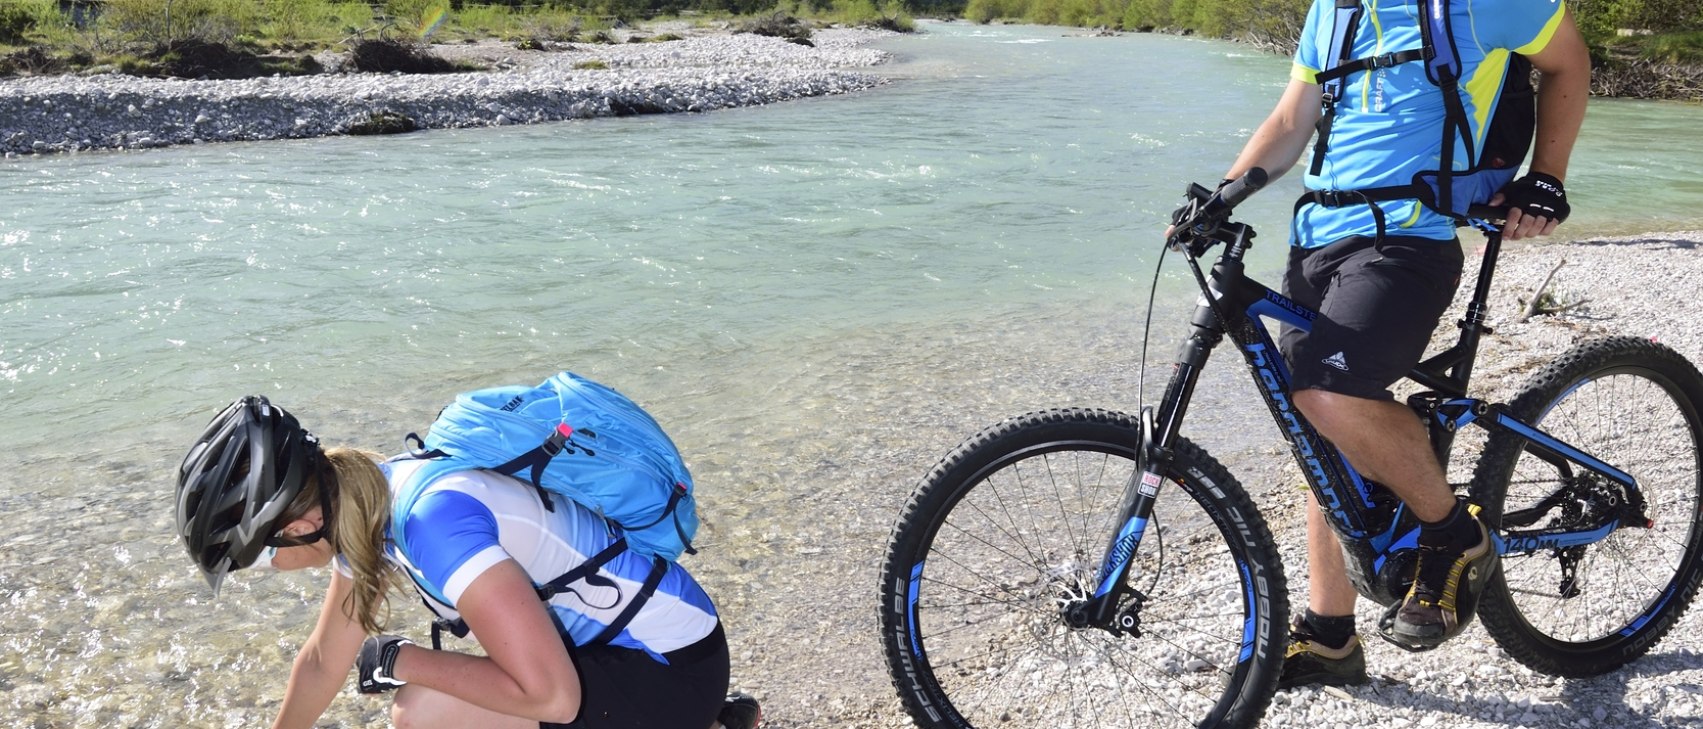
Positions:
{"x": 1331, "y": 630}
{"x": 1458, "y": 530}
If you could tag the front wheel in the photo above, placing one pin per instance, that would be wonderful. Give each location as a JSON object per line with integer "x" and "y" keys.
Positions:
{"x": 1581, "y": 611}
{"x": 1011, "y": 529}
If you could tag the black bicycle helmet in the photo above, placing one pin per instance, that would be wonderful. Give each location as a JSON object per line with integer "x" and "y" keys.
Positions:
{"x": 237, "y": 482}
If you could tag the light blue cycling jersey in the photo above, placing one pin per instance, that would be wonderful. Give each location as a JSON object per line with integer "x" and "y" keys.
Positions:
{"x": 468, "y": 521}
{"x": 1389, "y": 123}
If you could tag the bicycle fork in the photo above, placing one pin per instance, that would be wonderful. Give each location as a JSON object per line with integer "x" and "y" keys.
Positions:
{"x": 1114, "y": 604}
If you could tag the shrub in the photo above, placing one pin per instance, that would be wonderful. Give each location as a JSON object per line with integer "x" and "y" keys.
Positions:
{"x": 193, "y": 58}
{"x": 16, "y": 22}
{"x": 778, "y": 25}
{"x": 295, "y": 20}
{"x": 418, "y": 18}
{"x": 32, "y": 60}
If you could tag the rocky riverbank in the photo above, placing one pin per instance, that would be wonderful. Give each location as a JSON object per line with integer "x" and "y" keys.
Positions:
{"x": 67, "y": 113}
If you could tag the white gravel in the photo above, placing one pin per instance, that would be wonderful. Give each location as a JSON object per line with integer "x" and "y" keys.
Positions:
{"x": 701, "y": 73}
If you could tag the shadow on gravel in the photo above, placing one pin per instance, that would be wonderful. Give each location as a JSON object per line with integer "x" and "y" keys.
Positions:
{"x": 1679, "y": 243}
{"x": 1610, "y": 690}
{"x": 1571, "y": 701}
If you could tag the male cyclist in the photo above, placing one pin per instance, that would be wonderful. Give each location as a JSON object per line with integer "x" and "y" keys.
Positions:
{"x": 1381, "y": 270}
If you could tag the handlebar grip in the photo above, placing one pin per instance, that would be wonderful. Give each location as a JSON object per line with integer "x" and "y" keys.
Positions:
{"x": 1486, "y": 212}
{"x": 1242, "y": 187}
{"x": 1229, "y": 196}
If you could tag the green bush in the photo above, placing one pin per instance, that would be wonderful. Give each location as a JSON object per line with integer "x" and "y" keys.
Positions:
{"x": 161, "y": 22}
{"x": 417, "y": 18}
{"x": 295, "y": 20}
{"x": 18, "y": 20}
{"x": 1686, "y": 47}
{"x": 985, "y": 11}
{"x": 488, "y": 21}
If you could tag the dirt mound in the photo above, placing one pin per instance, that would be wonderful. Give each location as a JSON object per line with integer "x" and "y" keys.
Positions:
{"x": 387, "y": 56}
{"x": 31, "y": 61}
{"x": 205, "y": 59}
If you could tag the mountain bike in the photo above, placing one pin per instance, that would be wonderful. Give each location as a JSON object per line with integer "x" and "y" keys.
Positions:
{"x": 1081, "y": 567}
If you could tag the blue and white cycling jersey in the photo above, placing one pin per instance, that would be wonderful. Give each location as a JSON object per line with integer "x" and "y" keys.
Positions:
{"x": 466, "y": 522}
{"x": 1389, "y": 122}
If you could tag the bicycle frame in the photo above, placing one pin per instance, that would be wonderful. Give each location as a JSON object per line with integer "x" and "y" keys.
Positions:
{"x": 1377, "y": 532}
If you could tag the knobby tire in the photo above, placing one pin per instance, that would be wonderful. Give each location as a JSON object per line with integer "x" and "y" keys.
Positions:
{"x": 1635, "y": 405}
{"x": 1014, "y": 523}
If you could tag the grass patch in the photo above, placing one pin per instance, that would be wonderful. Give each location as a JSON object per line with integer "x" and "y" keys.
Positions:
{"x": 1686, "y": 47}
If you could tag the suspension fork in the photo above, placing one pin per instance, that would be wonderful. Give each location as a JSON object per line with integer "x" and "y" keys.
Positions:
{"x": 1153, "y": 459}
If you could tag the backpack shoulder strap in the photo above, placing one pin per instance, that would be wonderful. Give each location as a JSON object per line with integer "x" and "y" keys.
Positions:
{"x": 1443, "y": 67}
{"x": 1344, "y": 23}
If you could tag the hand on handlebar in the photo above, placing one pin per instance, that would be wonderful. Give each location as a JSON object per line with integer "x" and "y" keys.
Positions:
{"x": 1195, "y": 225}
{"x": 1536, "y": 204}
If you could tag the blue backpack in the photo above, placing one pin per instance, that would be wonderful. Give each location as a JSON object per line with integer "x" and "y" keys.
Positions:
{"x": 573, "y": 437}
{"x": 582, "y": 440}
{"x": 1507, "y": 134}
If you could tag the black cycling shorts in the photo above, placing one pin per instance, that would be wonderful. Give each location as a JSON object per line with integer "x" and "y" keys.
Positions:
{"x": 628, "y": 689}
{"x": 1378, "y": 306}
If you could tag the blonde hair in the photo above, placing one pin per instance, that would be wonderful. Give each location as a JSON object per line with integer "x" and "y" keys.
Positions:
{"x": 360, "y": 511}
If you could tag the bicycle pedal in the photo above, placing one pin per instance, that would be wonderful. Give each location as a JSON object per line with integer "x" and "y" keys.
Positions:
{"x": 1386, "y": 630}
{"x": 1392, "y": 639}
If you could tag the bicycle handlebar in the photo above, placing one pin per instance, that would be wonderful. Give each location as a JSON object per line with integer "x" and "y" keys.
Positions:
{"x": 1486, "y": 212}
{"x": 1197, "y": 223}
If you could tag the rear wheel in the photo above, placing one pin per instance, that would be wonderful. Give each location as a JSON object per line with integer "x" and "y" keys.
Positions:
{"x": 1586, "y": 610}
{"x": 1011, "y": 529}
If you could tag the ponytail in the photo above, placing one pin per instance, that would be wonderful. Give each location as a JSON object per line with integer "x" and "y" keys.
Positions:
{"x": 360, "y": 511}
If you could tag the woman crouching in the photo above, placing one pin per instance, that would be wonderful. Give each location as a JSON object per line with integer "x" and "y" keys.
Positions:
{"x": 257, "y": 491}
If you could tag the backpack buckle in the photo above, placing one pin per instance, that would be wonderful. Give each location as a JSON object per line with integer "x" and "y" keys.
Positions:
{"x": 558, "y": 440}
{"x": 1337, "y": 198}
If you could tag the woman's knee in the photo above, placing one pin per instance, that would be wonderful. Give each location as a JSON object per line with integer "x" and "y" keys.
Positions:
{"x": 412, "y": 708}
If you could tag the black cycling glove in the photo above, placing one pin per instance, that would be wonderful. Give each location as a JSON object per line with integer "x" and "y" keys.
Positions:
{"x": 1539, "y": 195}
{"x": 376, "y": 665}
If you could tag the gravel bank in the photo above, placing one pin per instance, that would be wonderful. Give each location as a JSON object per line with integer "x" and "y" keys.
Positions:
{"x": 700, "y": 73}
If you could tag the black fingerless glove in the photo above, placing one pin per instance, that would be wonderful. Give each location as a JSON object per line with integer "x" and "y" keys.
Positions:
{"x": 1538, "y": 195}
{"x": 376, "y": 665}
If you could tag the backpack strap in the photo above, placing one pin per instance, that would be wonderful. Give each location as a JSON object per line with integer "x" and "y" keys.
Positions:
{"x": 659, "y": 567}
{"x": 1443, "y": 67}
{"x": 535, "y": 460}
{"x": 678, "y": 493}
{"x": 1344, "y": 24}
{"x": 587, "y": 571}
